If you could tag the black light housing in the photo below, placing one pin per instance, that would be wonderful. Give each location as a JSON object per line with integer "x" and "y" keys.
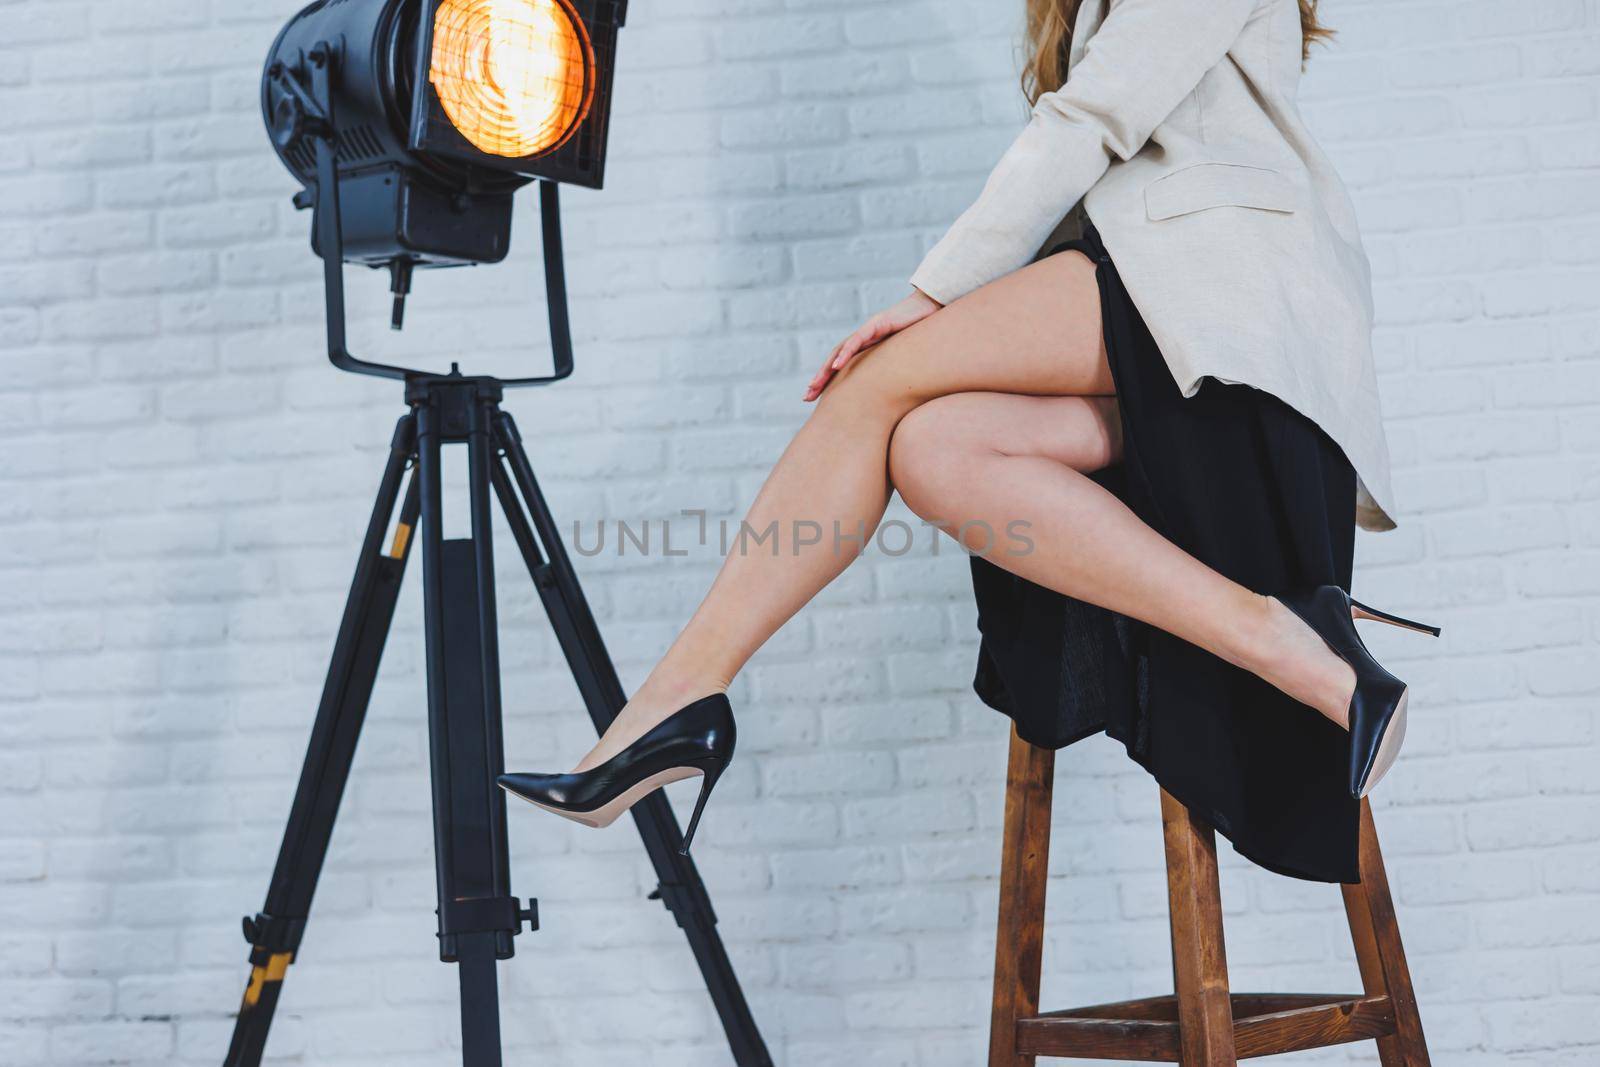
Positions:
{"x": 384, "y": 109}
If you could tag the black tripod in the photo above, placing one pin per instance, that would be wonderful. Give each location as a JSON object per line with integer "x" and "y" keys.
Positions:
{"x": 478, "y": 916}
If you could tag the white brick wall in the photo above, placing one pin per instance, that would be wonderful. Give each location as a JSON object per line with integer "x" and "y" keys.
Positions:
{"x": 184, "y": 481}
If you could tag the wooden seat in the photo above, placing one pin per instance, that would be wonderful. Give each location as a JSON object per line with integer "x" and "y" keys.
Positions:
{"x": 1203, "y": 1024}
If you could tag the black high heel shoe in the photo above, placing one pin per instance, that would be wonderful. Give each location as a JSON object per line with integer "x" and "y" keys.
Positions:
{"x": 696, "y": 739}
{"x": 1378, "y": 706}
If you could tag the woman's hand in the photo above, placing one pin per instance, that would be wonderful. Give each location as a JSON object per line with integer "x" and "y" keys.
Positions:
{"x": 914, "y": 308}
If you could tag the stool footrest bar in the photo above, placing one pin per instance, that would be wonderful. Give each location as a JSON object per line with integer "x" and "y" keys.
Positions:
{"x": 1264, "y": 1024}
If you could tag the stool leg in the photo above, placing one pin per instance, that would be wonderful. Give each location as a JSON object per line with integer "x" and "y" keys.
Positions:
{"x": 1382, "y": 959}
{"x": 1024, "y": 862}
{"x": 1199, "y": 961}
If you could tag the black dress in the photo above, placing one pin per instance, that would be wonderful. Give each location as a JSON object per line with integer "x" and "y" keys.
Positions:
{"x": 1257, "y": 491}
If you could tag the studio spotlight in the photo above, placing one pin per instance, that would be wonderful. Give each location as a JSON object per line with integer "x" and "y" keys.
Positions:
{"x": 410, "y": 124}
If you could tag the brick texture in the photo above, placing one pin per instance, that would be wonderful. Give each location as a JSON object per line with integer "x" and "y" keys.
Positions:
{"x": 183, "y": 482}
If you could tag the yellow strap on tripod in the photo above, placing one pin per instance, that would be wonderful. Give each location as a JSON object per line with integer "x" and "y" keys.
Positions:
{"x": 277, "y": 966}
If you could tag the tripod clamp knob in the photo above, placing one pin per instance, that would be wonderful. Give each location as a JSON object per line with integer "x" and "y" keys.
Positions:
{"x": 686, "y": 900}
{"x": 474, "y": 915}
{"x": 271, "y": 935}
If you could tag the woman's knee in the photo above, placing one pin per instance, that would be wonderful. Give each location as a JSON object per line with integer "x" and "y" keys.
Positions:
{"x": 875, "y": 385}
{"x": 929, "y": 452}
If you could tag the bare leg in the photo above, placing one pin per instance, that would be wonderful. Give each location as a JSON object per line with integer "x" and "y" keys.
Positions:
{"x": 973, "y": 462}
{"x": 1034, "y": 332}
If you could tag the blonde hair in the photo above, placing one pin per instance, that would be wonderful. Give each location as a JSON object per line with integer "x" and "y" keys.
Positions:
{"x": 1049, "y": 34}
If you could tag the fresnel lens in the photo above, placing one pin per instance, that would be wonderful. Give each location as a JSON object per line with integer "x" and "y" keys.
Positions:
{"x": 514, "y": 76}
{"x": 411, "y": 123}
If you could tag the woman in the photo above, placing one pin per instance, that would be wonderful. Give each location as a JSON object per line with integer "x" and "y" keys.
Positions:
{"x": 1180, "y": 404}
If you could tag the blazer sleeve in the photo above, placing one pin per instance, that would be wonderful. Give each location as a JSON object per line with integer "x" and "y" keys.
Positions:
{"x": 1138, "y": 67}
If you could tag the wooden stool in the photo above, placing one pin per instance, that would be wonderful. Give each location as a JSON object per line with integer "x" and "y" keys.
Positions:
{"x": 1203, "y": 1025}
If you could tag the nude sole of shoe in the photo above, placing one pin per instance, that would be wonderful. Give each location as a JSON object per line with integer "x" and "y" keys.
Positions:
{"x": 607, "y": 814}
{"x": 1389, "y": 747}
{"x": 1361, "y": 614}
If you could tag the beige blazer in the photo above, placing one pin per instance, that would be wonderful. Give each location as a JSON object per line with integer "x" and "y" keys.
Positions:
{"x": 1177, "y": 134}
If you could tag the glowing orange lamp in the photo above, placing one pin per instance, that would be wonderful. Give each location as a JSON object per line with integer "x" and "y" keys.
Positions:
{"x": 515, "y": 77}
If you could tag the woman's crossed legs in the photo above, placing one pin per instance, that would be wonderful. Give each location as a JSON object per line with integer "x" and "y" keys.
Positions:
{"x": 986, "y": 413}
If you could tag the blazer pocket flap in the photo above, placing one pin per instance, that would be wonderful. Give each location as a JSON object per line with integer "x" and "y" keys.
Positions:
{"x": 1206, "y": 185}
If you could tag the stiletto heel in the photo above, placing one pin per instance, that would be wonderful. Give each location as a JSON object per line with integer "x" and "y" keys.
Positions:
{"x": 1377, "y": 715}
{"x": 710, "y": 772}
{"x": 696, "y": 739}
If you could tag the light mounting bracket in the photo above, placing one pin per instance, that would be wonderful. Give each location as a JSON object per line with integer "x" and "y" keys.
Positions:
{"x": 309, "y": 113}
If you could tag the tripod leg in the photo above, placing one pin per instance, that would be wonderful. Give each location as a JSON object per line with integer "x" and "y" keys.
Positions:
{"x": 274, "y": 934}
{"x": 478, "y": 917}
{"x": 680, "y": 887}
